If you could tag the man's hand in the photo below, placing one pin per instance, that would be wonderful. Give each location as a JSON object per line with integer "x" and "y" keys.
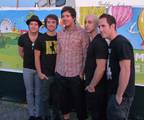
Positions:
{"x": 90, "y": 88}
{"x": 42, "y": 76}
{"x": 81, "y": 75}
{"x": 119, "y": 99}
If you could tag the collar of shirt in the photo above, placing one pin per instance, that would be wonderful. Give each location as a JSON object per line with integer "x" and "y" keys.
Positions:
{"x": 74, "y": 28}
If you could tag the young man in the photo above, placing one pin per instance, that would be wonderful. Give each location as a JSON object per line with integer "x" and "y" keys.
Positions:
{"x": 120, "y": 71}
{"x": 72, "y": 46}
{"x": 32, "y": 83}
{"x": 45, "y": 59}
{"x": 95, "y": 70}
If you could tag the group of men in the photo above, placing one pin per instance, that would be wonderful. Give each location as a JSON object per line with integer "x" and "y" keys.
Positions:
{"x": 85, "y": 72}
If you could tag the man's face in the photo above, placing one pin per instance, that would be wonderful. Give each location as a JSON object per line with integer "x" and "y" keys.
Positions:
{"x": 105, "y": 28}
{"x": 67, "y": 19}
{"x": 51, "y": 24}
{"x": 90, "y": 24}
{"x": 34, "y": 26}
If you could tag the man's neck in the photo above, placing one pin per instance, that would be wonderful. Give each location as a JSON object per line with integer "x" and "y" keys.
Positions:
{"x": 71, "y": 27}
{"x": 92, "y": 35}
{"x": 33, "y": 33}
{"x": 51, "y": 33}
{"x": 113, "y": 35}
{"x": 33, "y": 36}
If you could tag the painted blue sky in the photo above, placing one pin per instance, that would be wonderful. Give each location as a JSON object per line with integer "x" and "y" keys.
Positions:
{"x": 135, "y": 39}
{"x": 12, "y": 3}
{"x": 18, "y": 17}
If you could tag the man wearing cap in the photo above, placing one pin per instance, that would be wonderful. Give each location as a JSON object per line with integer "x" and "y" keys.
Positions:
{"x": 26, "y": 43}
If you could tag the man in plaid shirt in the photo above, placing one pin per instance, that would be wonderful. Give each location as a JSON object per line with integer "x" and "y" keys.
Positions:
{"x": 71, "y": 54}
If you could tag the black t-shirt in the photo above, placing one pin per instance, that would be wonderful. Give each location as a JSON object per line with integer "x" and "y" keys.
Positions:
{"x": 120, "y": 49}
{"x": 47, "y": 47}
{"x": 98, "y": 49}
{"x": 28, "y": 47}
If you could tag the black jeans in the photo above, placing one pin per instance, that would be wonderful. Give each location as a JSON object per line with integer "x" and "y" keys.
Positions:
{"x": 97, "y": 104}
{"x": 116, "y": 111}
{"x": 50, "y": 107}
{"x": 72, "y": 96}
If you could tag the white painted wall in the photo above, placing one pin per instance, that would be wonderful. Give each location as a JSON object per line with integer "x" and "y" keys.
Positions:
{"x": 138, "y": 3}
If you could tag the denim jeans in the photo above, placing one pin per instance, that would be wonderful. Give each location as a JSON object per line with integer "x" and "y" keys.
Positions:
{"x": 33, "y": 91}
{"x": 117, "y": 111}
{"x": 49, "y": 108}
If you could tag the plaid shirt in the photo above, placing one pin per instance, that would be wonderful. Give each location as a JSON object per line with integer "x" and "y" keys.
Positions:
{"x": 71, "y": 51}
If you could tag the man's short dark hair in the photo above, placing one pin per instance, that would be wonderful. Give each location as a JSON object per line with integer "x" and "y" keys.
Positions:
{"x": 70, "y": 10}
{"x": 110, "y": 19}
{"x": 52, "y": 16}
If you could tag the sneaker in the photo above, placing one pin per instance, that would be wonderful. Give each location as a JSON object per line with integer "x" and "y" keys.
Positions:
{"x": 31, "y": 118}
{"x": 38, "y": 118}
{"x": 46, "y": 118}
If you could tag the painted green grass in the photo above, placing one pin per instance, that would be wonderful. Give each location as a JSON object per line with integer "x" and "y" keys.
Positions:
{"x": 9, "y": 58}
{"x": 140, "y": 78}
{"x": 11, "y": 35}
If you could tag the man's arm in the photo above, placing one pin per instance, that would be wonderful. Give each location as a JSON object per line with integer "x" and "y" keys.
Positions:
{"x": 57, "y": 52}
{"x": 21, "y": 51}
{"x": 123, "y": 79}
{"x": 85, "y": 44}
{"x": 98, "y": 74}
{"x": 38, "y": 65}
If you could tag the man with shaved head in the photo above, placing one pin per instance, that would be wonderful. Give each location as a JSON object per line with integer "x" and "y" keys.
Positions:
{"x": 95, "y": 70}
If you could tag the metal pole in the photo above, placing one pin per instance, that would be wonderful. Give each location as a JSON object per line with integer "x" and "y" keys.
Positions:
{"x": 17, "y": 3}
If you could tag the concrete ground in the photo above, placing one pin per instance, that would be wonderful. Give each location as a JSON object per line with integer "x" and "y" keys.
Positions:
{"x": 13, "y": 111}
{"x": 16, "y": 111}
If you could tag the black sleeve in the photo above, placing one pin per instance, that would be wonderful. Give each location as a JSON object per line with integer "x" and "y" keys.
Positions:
{"x": 38, "y": 45}
{"x": 101, "y": 49}
{"x": 124, "y": 50}
{"x": 21, "y": 41}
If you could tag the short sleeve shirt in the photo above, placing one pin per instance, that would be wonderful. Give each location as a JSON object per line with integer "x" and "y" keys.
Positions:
{"x": 28, "y": 47}
{"x": 47, "y": 47}
{"x": 120, "y": 49}
{"x": 98, "y": 49}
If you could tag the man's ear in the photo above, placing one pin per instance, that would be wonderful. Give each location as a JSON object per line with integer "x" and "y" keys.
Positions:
{"x": 113, "y": 26}
{"x": 74, "y": 19}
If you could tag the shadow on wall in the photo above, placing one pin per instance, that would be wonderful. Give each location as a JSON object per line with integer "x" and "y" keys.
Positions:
{"x": 12, "y": 89}
{"x": 12, "y": 86}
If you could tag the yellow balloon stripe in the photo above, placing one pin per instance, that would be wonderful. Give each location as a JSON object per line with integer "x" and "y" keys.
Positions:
{"x": 141, "y": 24}
{"x": 84, "y": 11}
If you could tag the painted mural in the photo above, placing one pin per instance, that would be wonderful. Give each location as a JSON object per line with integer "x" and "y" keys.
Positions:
{"x": 12, "y": 25}
{"x": 130, "y": 23}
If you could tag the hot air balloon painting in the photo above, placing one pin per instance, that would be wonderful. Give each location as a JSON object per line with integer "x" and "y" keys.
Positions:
{"x": 84, "y": 11}
{"x": 122, "y": 14}
{"x": 141, "y": 26}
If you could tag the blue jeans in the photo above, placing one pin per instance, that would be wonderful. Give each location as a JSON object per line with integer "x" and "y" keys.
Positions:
{"x": 116, "y": 111}
{"x": 50, "y": 109}
{"x": 33, "y": 91}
